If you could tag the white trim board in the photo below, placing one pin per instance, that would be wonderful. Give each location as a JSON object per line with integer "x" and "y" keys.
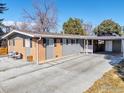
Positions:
{"x": 15, "y": 31}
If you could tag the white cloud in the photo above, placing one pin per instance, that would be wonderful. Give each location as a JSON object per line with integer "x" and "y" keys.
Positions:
{"x": 9, "y": 23}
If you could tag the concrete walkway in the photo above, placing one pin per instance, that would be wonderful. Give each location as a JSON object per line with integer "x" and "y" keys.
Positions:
{"x": 72, "y": 76}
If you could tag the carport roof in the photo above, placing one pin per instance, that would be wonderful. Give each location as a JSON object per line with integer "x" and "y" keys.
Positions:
{"x": 104, "y": 37}
{"x": 56, "y": 35}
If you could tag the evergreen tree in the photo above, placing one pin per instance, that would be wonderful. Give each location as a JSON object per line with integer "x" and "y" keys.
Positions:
{"x": 108, "y": 27}
{"x": 2, "y": 9}
{"x": 73, "y": 26}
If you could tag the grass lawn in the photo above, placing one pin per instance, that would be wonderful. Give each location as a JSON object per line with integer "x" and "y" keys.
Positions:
{"x": 109, "y": 83}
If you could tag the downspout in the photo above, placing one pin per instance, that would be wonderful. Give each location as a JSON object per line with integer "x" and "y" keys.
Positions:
{"x": 38, "y": 50}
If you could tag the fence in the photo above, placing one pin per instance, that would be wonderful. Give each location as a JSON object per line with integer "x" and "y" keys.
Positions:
{"x": 3, "y": 51}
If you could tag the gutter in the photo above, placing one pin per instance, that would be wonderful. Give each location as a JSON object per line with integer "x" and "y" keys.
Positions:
{"x": 38, "y": 50}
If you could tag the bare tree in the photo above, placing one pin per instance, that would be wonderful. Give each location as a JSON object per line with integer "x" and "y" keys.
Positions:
{"x": 44, "y": 16}
{"x": 14, "y": 26}
{"x": 25, "y": 26}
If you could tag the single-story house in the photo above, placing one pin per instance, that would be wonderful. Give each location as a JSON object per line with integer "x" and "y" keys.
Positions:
{"x": 49, "y": 46}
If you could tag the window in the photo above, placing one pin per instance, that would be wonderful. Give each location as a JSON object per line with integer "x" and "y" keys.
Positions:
{"x": 30, "y": 42}
{"x": 67, "y": 41}
{"x": 50, "y": 42}
{"x": 44, "y": 42}
{"x": 89, "y": 42}
{"x": 23, "y": 42}
{"x": 72, "y": 41}
{"x": 13, "y": 42}
{"x": 77, "y": 41}
{"x": 47, "y": 42}
{"x": 55, "y": 41}
{"x": 61, "y": 41}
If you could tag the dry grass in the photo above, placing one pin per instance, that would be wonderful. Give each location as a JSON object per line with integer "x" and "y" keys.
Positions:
{"x": 109, "y": 83}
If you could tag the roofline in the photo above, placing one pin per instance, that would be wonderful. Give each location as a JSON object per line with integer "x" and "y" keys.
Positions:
{"x": 65, "y": 36}
{"x": 61, "y": 36}
{"x": 83, "y": 37}
{"x": 16, "y": 31}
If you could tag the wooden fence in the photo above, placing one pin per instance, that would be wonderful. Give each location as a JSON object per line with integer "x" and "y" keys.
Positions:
{"x": 3, "y": 51}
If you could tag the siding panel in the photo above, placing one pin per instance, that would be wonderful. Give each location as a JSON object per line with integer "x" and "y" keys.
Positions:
{"x": 49, "y": 48}
{"x": 68, "y": 49}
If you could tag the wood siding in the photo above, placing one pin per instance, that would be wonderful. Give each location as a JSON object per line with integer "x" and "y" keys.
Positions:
{"x": 3, "y": 51}
{"x": 58, "y": 48}
{"x": 21, "y": 49}
{"x": 41, "y": 50}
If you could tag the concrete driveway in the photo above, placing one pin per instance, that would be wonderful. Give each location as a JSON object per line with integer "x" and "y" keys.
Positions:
{"x": 72, "y": 76}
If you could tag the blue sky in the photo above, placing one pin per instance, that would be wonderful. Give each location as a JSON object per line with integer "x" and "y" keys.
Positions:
{"x": 92, "y": 11}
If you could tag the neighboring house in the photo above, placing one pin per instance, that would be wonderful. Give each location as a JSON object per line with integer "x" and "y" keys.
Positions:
{"x": 49, "y": 46}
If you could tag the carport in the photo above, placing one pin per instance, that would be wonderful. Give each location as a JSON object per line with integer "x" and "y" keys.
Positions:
{"x": 106, "y": 44}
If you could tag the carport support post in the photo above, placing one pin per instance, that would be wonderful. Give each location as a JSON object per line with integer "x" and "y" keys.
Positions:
{"x": 92, "y": 46}
{"x": 84, "y": 47}
{"x": 122, "y": 47}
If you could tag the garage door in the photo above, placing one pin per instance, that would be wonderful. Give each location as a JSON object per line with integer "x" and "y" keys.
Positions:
{"x": 49, "y": 49}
